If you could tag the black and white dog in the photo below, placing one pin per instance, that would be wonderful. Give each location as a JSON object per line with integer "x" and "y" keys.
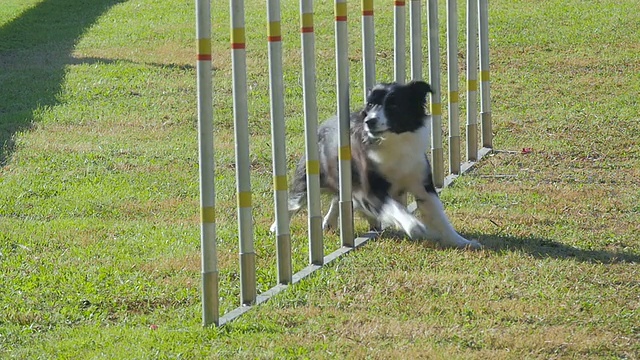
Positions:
{"x": 389, "y": 140}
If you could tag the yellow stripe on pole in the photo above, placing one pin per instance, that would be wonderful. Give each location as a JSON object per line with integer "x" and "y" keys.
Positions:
{"x": 208, "y": 215}
{"x": 484, "y": 75}
{"x": 345, "y": 153}
{"x": 204, "y": 46}
{"x": 273, "y": 31}
{"x": 307, "y": 22}
{"x": 237, "y": 38}
{"x": 472, "y": 85}
{"x": 280, "y": 182}
{"x": 341, "y": 11}
{"x": 436, "y": 109}
{"x": 453, "y": 97}
{"x": 367, "y": 7}
{"x": 244, "y": 199}
{"x": 313, "y": 167}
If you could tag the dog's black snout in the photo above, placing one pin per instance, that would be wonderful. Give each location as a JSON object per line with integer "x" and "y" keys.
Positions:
{"x": 371, "y": 122}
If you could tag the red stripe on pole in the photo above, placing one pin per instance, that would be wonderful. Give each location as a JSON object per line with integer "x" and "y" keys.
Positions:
{"x": 274, "y": 38}
{"x": 367, "y": 13}
{"x": 341, "y": 18}
{"x": 307, "y": 29}
{"x": 399, "y": 3}
{"x": 237, "y": 45}
{"x": 203, "y": 57}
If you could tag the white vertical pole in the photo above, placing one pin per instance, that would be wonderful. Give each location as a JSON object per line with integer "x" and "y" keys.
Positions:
{"x": 454, "y": 106}
{"x": 278, "y": 143}
{"x": 436, "y": 106}
{"x": 316, "y": 249}
{"x": 210, "y": 306}
{"x": 399, "y": 51}
{"x": 344, "y": 140}
{"x": 485, "y": 80}
{"x": 399, "y": 42}
{"x": 415, "y": 23}
{"x": 368, "y": 47}
{"x": 415, "y": 49}
{"x": 241, "y": 120}
{"x": 472, "y": 80}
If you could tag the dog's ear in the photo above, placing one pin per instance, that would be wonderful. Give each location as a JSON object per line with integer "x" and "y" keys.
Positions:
{"x": 420, "y": 88}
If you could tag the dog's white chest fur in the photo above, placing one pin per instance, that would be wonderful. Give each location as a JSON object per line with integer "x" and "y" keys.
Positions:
{"x": 400, "y": 158}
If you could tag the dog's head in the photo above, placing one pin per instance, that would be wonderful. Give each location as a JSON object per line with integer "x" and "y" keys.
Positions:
{"x": 395, "y": 108}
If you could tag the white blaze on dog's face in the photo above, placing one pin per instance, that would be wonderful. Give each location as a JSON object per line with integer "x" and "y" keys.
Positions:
{"x": 375, "y": 123}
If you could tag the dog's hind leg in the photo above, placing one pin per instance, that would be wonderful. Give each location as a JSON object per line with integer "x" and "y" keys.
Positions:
{"x": 296, "y": 202}
{"x": 330, "y": 221}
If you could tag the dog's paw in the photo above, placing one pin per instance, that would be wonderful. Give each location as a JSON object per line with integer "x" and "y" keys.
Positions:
{"x": 329, "y": 224}
{"x": 461, "y": 243}
{"x": 473, "y": 245}
{"x": 330, "y": 220}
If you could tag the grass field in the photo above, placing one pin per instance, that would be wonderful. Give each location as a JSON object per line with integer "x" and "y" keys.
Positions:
{"x": 99, "y": 207}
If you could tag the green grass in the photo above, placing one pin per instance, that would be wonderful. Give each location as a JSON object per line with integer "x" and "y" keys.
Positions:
{"x": 99, "y": 203}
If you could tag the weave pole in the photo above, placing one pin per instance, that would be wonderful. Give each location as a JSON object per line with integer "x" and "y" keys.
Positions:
{"x": 436, "y": 107}
{"x": 485, "y": 94}
{"x": 472, "y": 81}
{"x": 415, "y": 24}
{"x": 209, "y": 258}
{"x": 368, "y": 47}
{"x": 344, "y": 140}
{"x": 399, "y": 42}
{"x": 452, "y": 72}
{"x": 399, "y": 54}
{"x": 243, "y": 164}
{"x": 314, "y": 226}
{"x": 278, "y": 143}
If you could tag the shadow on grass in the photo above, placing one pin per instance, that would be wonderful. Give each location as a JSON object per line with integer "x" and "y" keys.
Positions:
{"x": 35, "y": 49}
{"x": 544, "y": 248}
{"x": 541, "y": 248}
{"x": 96, "y": 60}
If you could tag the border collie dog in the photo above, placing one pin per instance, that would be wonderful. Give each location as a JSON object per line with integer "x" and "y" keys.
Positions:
{"x": 389, "y": 140}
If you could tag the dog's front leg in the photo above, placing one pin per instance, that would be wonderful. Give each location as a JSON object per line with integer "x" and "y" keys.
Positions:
{"x": 393, "y": 212}
{"x": 434, "y": 217}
